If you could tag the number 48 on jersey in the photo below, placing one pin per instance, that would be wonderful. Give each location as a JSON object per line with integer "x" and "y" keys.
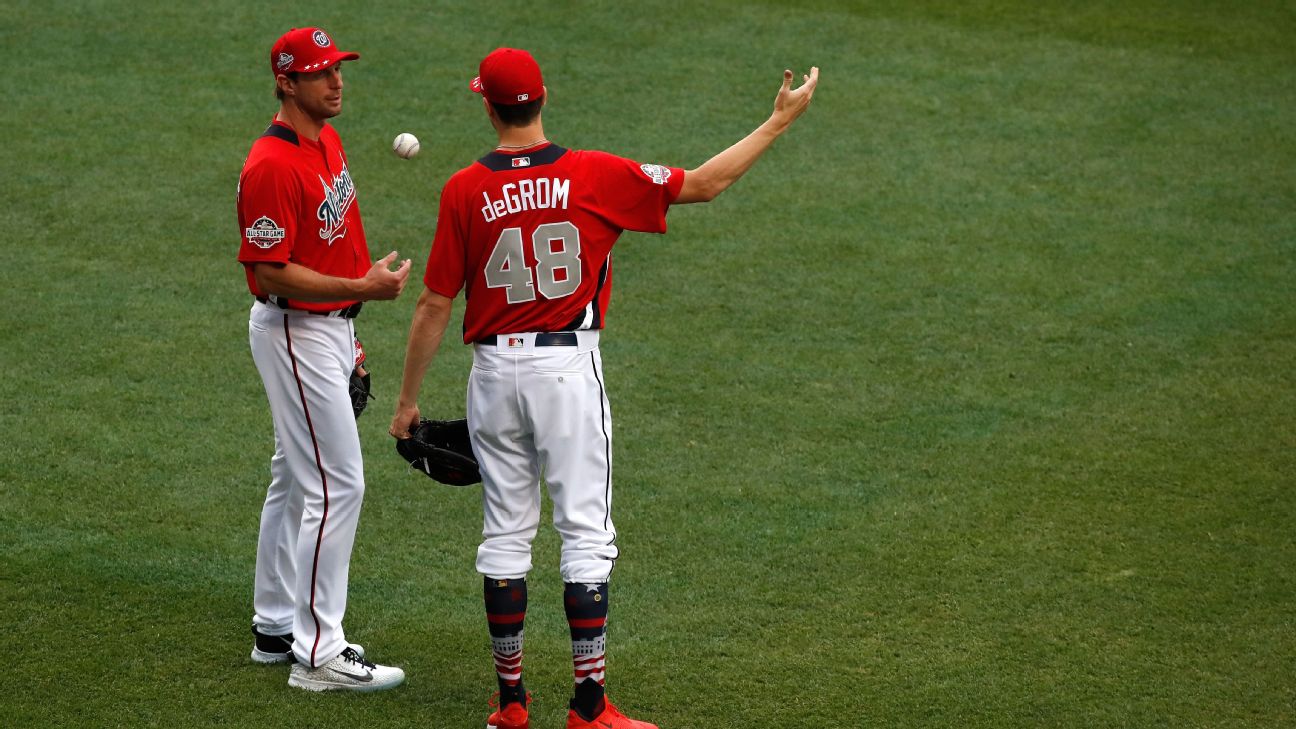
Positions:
{"x": 556, "y": 249}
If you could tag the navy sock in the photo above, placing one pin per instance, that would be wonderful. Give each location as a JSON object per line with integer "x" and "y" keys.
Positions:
{"x": 587, "y": 609}
{"x": 506, "y": 604}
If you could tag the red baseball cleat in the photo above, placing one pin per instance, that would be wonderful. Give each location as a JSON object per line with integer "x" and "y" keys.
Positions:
{"x": 512, "y": 716}
{"x": 609, "y": 719}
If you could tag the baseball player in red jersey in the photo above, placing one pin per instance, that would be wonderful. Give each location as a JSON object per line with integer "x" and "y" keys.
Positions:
{"x": 309, "y": 270}
{"x": 527, "y": 232}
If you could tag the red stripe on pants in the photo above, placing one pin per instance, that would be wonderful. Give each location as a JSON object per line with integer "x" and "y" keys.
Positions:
{"x": 319, "y": 538}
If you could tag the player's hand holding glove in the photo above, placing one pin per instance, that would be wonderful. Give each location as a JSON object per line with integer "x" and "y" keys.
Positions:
{"x": 440, "y": 449}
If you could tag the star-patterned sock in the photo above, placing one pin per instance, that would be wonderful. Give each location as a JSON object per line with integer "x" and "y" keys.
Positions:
{"x": 587, "y": 610}
{"x": 506, "y": 604}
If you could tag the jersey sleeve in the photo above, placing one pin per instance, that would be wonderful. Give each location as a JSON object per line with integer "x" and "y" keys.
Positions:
{"x": 268, "y": 200}
{"x": 636, "y": 196}
{"x": 447, "y": 259}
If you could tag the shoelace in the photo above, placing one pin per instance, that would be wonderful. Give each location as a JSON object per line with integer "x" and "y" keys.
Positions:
{"x": 355, "y": 658}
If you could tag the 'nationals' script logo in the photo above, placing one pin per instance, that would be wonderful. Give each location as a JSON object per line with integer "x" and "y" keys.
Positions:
{"x": 338, "y": 198}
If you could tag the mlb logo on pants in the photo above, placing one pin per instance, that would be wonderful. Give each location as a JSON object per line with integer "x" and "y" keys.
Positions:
{"x": 516, "y": 342}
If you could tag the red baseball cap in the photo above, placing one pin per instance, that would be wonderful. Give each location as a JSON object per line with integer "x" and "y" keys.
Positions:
{"x": 509, "y": 76}
{"x": 306, "y": 50}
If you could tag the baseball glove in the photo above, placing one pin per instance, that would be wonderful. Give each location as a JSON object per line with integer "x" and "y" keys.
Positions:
{"x": 359, "y": 382}
{"x": 359, "y": 386}
{"x": 440, "y": 449}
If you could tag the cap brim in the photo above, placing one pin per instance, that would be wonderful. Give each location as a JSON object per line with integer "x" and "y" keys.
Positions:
{"x": 325, "y": 62}
{"x": 475, "y": 85}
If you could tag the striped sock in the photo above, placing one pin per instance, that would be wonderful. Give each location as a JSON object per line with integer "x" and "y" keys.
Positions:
{"x": 587, "y": 610}
{"x": 506, "y": 604}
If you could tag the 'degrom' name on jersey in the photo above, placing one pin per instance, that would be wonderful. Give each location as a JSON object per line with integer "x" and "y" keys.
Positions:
{"x": 537, "y": 194}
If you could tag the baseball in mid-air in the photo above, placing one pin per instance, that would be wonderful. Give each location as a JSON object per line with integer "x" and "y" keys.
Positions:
{"x": 405, "y": 145}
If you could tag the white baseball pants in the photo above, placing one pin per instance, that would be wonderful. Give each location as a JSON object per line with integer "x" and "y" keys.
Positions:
{"x": 538, "y": 411}
{"x": 313, "y": 503}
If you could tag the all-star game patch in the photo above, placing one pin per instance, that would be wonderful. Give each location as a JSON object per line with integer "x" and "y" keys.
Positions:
{"x": 264, "y": 233}
{"x": 656, "y": 173}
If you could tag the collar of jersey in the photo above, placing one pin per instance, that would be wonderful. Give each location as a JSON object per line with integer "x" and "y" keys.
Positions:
{"x": 285, "y": 132}
{"x": 541, "y": 154}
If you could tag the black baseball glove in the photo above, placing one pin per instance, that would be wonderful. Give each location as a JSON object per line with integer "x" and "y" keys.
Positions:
{"x": 359, "y": 386}
{"x": 440, "y": 449}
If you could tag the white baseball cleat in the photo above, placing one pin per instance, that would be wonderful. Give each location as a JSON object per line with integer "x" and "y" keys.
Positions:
{"x": 348, "y": 671}
{"x": 269, "y": 649}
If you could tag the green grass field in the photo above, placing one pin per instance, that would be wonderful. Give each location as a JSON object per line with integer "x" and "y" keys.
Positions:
{"x": 971, "y": 405}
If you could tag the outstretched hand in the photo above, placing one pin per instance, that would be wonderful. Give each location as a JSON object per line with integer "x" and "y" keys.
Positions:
{"x": 381, "y": 283}
{"x": 790, "y": 102}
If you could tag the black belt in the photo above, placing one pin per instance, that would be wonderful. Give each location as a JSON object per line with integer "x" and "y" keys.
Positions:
{"x": 349, "y": 312}
{"x": 544, "y": 339}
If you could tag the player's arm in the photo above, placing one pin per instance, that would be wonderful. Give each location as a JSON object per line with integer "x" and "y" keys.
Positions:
{"x": 295, "y": 281}
{"x": 431, "y": 315}
{"x": 718, "y": 173}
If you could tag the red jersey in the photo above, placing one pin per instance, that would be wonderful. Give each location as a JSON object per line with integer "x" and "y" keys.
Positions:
{"x": 529, "y": 236}
{"x": 296, "y": 202}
